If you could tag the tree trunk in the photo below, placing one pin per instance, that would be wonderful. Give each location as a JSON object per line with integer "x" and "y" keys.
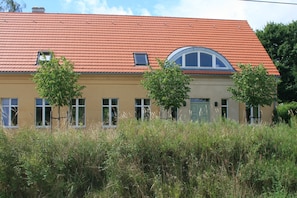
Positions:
{"x": 59, "y": 116}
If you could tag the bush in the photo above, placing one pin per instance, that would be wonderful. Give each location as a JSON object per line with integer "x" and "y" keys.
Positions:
{"x": 152, "y": 159}
{"x": 285, "y": 111}
{"x": 39, "y": 164}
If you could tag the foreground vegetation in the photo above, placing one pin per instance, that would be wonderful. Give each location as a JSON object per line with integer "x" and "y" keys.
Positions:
{"x": 151, "y": 159}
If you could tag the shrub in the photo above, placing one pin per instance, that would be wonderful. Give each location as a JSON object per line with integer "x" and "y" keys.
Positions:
{"x": 159, "y": 158}
{"x": 39, "y": 164}
{"x": 285, "y": 111}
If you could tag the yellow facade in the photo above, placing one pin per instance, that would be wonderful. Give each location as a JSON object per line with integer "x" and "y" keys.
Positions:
{"x": 125, "y": 88}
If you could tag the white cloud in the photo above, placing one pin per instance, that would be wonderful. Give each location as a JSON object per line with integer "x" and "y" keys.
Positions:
{"x": 257, "y": 14}
{"x": 203, "y": 9}
{"x": 99, "y": 7}
{"x": 144, "y": 12}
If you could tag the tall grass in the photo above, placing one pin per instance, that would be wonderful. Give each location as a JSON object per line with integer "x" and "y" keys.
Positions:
{"x": 151, "y": 159}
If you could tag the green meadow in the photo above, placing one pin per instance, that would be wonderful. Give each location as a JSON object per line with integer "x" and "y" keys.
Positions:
{"x": 158, "y": 158}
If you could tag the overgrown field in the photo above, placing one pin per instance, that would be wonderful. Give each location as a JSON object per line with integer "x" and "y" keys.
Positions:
{"x": 151, "y": 159}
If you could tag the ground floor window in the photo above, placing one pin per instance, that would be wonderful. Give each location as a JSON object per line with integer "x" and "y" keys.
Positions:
{"x": 110, "y": 111}
{"x": 200, "y": 109}
{"x": 42, "y": 113}
{"x": 173, "y": 113}
{"x": 142, "y": 109}
{"x": 253, "y": 114}
{"x": 9, "y": 112}
{"x": 224, "y": 108}
{"x": 78, "y": 112}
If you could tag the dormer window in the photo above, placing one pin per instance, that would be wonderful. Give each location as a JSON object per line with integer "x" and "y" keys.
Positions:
{"x": 199, "y": 58}
{"x": 43, "y": 56}
{"x": 140, "y": 59}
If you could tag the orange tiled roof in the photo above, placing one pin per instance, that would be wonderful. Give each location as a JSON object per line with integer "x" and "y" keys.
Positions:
{"x": 106, "y": 43}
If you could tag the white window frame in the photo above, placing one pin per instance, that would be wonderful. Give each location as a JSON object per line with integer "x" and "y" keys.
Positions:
{"x": 141, "y": 54}
{"x": 252, "y": 119}
{"x": 10, "y": 107}
{"x": 43, "y": 56}
{"x": 182, "y": 52}
{"x": 77, "y": 106}
{"x": 225, "y": 106}
{"x": 43, "y": 106}
{"x": 143, "y": 108}
{"x": 110, "y": 112}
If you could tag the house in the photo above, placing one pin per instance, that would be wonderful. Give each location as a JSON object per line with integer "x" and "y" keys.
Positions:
{"x": 111, "y": 52}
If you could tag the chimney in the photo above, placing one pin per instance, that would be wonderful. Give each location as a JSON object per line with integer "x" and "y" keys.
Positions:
{"x": 38, "y": 9}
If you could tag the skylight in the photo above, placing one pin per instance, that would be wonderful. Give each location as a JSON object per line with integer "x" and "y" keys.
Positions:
{"x": 43, "y": 56}
{"x": 140, "y": 59}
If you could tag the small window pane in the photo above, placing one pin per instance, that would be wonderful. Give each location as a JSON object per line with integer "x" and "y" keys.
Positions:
{"x": 5, "y": 101}
{"x": 105, "y": 101}
{"x": 179, "y": 61}
{"x": 81, "y": 116}
{"x": 14, "y": 101}
{"x": 73, "y": 102}
{"x": 224, "y": 102}
{"x": 38, "y": 116}
{"x": 192, "y": 60}
{"x": 14, "y": 116}
{"x": 47, "y": 116}
{"x": 38, "y": 101}
{"x": 105, "y": 116}
{"x": 114, "y": 101}
{"x": 138, "y": 113}
{"x": 114, "y": 115}
{"x": 146, "y": 101}
{"x": 138, "y": 101}
{"x": 224, "y": 112}
{"x": 219, "y": 63}
{"x": 5, "y": 115}
{"x": 46, "y": 102}
{"x": 146, "y": 113}
{"x": 140, "y": 59}
{"x": 81, "y": 101}
{"x": 205, "y": 60}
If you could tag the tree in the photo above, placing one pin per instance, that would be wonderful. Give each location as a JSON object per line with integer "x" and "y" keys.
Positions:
{"x": 253, "y": 86}
{"x": 57, "y": 82}
{"x": 167, "y": 86}
{"x": 11, "y": 6}
{"x": 280, "y": 41}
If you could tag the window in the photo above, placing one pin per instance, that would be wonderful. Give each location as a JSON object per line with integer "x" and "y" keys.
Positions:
{"x": 173, "y": 113}
{"x": 78, "y": 109}
{"x": 200, "y": 109}
{"x": 191, "y": 59}
{"x": 253, "y": 114}
{"x": 10, "y": 112}
{"x": 140, "y": 59}
{"x": 199, "y": 58}
{"x": 43, "y": 56}
{"x": 110, "y": 112}
{"x": 42, "y": 113}
{"x": 224, "y": 108}
{"x": 142, "y": 109}
{"x": 205, "y": 60}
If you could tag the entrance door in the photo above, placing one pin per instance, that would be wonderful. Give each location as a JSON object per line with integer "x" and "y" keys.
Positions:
{"x": 200, "y": 110}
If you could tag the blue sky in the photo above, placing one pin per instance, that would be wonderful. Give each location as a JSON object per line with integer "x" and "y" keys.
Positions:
{"x": 257, "y": 14}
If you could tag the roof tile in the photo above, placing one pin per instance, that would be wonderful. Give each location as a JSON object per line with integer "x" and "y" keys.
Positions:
{"x": 105, "y": 43}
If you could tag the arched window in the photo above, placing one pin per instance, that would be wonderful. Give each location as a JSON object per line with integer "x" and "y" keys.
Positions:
{"x": 199, "y": 58}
